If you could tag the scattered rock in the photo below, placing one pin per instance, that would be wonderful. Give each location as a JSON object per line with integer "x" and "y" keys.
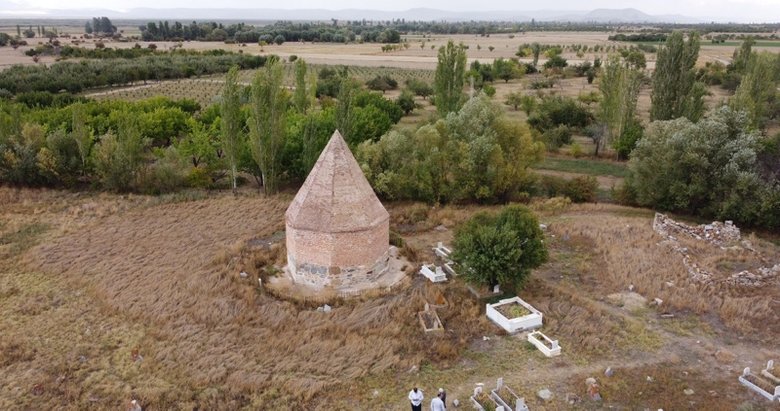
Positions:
{"x": 440, "y": 228}
{"x": 243, "y": 274}
{"x": 631, "y": 287}
{"x": 688, "y": 391}
{"x": 649, "y": 379}
{"x": 543, "y": 226}
{"x": 134, "y": 406}
{"x": 82, "y": 359}
{"x": 589, "y": 381}
{"x": 413, "y": 369}
{"x": 375, "y": 393}
{"x": 455, "y": 402}
{"x": 544, "y": 394}
{"x": 609, "y": 372}
{"x": 326, "y": 308}
{"x": 657, "y": 301}
{"x": 572, "y": 398}
{"x": 485, "y": 338}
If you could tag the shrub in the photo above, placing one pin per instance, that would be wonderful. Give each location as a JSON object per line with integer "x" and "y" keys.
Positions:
{"x": 555, "y": 138}
{"x": 578, "y": 189}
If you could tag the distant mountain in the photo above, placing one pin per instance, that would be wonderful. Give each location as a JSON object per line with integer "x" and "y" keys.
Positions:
{"x": 628, "y": 16}
{"x": 420, "y": 14}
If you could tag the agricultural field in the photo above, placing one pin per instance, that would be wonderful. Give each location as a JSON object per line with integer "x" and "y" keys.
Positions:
{"x": 92, "y": 316}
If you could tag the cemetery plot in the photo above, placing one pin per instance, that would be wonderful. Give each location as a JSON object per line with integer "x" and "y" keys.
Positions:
{"x": 430, "y": 320}
{"x": 760, "y": 385}
{"x": 514, "y": 315}
{"x": 507, "y": 397}
{"x": 547, "y": 346}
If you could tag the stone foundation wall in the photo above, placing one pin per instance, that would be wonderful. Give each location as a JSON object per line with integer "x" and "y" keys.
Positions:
{"x": 337, "y": 277}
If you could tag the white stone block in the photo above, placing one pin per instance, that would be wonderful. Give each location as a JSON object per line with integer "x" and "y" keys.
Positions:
{"x": 436, "y": 275}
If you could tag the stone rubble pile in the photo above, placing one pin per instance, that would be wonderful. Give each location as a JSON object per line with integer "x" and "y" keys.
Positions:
{"x": 723, "y": 235}
{"x": 717, "y": 233}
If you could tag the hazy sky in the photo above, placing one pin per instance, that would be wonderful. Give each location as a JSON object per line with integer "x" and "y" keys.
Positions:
{"x": 750, "y": 10}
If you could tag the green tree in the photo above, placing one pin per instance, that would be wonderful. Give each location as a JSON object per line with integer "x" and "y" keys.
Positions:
{"x": 419, "y": 87}
{"x": 757, "y": 88}
{"x": 500, "y": 249}
{"x": 406, "y": 102}
{"x": 344, "y": 109}
{"x": 268, "y": 123}
{"x": 676, "y": 93}
{"x": 741, "y": 58}
{"x": 82, "y": 135}
{"x": 536, "y": 50}
{"x": 619, "y": 85}
{"x": 382, "y": 83}
{"x": 507, "y": 69}
{"x": 528, "y": 104}
{"x": 474, "y": 154}
{"x": 514, "y": 99}
{"x": 450, "y": 72}
{"x": 305, "y": 87}
{"x": 709, "y": 168}
{"x": 232, "y": 129}
{"x": 119, "y": 155}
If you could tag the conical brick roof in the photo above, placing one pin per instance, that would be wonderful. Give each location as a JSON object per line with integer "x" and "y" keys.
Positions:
{"x": 336, "y": 197}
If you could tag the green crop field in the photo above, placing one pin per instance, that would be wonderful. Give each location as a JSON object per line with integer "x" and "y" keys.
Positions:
{"x": 205, "y": 90}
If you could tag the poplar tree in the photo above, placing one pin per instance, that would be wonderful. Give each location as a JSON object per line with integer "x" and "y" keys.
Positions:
{"x": 305, "y": 87}
{"x": 268, "y": 122}
{"x": 82, "y": 135}
{"x": 676, "y": 93}
{"x": 741, "y": 57}
{"x": 231, "y": 122}
{"x": 757, "y": 88}
{"x": 619, "y": 85}
{"x": 450, "y": 77}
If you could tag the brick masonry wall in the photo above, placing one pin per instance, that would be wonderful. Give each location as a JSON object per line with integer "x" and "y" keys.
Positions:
{"x": 337, "y": 259}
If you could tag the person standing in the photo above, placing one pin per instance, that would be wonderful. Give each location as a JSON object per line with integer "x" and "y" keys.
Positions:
{"x": 437, "y": 404}
{"x": 443, "y": 396}
{"x": 416, "y": 398}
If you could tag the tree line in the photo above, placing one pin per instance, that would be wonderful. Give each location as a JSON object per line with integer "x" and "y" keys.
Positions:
{"x": 277, "y": 33}
{"x": 264, "y": 131}
{"x": 75, "y": 77}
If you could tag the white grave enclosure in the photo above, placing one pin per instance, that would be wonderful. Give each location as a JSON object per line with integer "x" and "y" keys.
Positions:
{"x": 506, "y": 397}
{"x": 442, "y": 251}
{"x": 529, "y": 321}
{"x": 433, "y": 322}
{"x": 766, "y": 384}
{"x": 547, "y": 346}
{"x": 433, "y": 273}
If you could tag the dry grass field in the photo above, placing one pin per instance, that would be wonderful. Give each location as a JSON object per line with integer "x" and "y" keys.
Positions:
{"x": 419, "y": 55}
{"x": 107, "y": 298}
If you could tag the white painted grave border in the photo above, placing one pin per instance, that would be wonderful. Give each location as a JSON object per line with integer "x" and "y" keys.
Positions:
{"x": 514, "y": 325}
{"x": 541, "y": 341}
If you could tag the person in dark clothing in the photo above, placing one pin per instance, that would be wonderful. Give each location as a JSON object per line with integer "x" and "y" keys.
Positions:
{"x": 443, "y": 396}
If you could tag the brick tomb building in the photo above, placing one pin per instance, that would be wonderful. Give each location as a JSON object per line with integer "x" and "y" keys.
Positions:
{"x": 337, "y": 230}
